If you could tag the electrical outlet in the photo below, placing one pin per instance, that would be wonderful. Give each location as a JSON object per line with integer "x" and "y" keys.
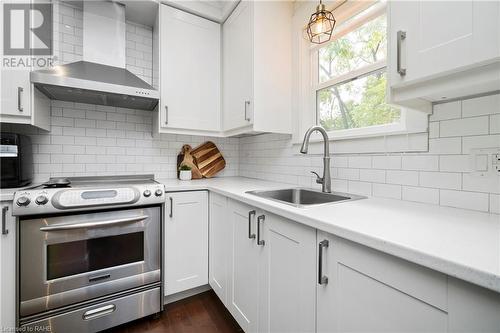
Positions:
{"x": 485, "y": 162}
{"x": 496, "y": 163}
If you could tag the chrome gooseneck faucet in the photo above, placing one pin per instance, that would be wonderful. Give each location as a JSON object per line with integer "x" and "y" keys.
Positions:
{"x": 325, "y": 181}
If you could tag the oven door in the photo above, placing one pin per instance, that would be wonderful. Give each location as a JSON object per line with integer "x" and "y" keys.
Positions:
{"x": 73, "y": 258}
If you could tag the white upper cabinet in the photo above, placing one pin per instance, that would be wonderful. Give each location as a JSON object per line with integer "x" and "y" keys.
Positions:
{"x": 16, "y": 93}
{"x": 443, "y": 49}
{"x": 256, "y": 61}
{"x": 21, "y": 102}
{"x": 238, "y": 67}
{"x": 190, "y": 70}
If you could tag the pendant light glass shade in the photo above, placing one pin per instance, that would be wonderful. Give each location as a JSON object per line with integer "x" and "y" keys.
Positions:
{"x": 321, "y": 24}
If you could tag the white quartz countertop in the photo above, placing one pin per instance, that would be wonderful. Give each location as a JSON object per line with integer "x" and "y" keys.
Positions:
{"x": 460, "y": 243}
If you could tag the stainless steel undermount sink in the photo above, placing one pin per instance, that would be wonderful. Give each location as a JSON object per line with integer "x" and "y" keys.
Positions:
{"x": 302, "y": 197}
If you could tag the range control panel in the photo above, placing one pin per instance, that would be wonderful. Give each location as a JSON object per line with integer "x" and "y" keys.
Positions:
{"x": 38, "y": 201}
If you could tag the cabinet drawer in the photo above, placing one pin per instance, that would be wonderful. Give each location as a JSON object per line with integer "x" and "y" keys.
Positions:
{"x": 101, "y": 316}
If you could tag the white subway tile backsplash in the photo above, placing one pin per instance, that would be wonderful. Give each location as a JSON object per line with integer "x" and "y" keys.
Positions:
{"x": 387, "y": 162}
{"x": 346, "y": 173}
{"x": 360, "y": 162}
{"x": 454, "y": 163}
{"x": 481, "y": 106}
{"x": 452, "y": 110}
{"x": 441, "y": 180}
{"x": 472, "y": 182}
{"x": 464, "y": 127}
{"x": 402, "y": 177}
{"x": 372, "y": 175}
{"x": 495, "y": 203}
{"x": 466, "y": 200}
{"x": 445, "y": 146}
{"x": 419, "y": 176}
{"x": 420, "y": 162}
{"x": 483, "y": 141}
{"x": 361, "y": 188}
{"x": 434, "y": 130}
{"x": 387, "y": 191}
{"x": 495, "y": 124}
{"x": 421, "y": 194}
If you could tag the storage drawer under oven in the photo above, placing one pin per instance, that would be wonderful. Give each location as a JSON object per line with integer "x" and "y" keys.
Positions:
{"x": 101, "y": 316}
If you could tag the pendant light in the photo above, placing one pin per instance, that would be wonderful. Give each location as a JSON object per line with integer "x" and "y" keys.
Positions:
{"x": 321, "y": 24}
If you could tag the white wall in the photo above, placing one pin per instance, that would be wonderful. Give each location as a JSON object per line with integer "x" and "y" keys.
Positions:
{"x": 440, "y": 176}
{"x": 96, "y": 140}
{"x": 90, "y": 140}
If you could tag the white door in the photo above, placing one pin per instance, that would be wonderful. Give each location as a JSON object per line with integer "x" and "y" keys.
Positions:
{"x": 363, "y": 290}
{"x": 186, "y": 241}
{"x": 444, "y": 36}
{"x": 244, "y": 267}
{"x": 220, "y": 241}
{"x": 15, "y": 95}
{"x": 237, "y": 45}
{"x": 288, "y": 276}
{"x": 190, "y": 71}
{"x": 7, "y": 268}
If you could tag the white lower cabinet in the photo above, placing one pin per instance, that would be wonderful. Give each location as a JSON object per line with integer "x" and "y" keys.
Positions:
{"x": 7, "y": 269}
{"x": 245, "y": 254}
{"x": 186, "y": 241}
{"x": 219, "y": 236}
{"x": 276, "y": 275}
{"x": 364, "y": 290}
{"x": 287, "y": 277}
{"x": 271, "y": 272}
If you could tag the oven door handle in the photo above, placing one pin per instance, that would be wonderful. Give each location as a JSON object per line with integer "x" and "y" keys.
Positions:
{"x": 94, "y": 224}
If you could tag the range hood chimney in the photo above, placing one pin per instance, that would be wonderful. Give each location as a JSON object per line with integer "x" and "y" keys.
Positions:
{"x": 101, "y": 78}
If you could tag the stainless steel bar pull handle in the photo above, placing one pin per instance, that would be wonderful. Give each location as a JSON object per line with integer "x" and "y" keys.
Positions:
{"x": 260, "y": 219}
{"x": 166, "y": 114}
{"x": 247, "y": 103}
{"x": 20, "y": 99}
{"x": 99, "y": 312}
{"x": 5, "y": 231}
{"x": 171, "y": 207}
{"x": 401, "y": 35}
{"x": 250, "y": 214}
{"x": 322, "y": 279}
{"x": 93, "y": 224}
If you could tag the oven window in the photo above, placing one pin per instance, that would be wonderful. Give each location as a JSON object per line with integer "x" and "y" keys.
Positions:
{"x": 65, "y": 259}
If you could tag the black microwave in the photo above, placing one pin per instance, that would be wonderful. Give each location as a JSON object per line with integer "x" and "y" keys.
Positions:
{"x": 16, "y": 160}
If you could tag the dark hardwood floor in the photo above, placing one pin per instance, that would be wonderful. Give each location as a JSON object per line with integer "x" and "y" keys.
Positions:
{"x": 202, "y": 313}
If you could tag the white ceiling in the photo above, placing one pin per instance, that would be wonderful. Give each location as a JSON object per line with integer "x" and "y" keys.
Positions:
{"x": 215, "y": 10}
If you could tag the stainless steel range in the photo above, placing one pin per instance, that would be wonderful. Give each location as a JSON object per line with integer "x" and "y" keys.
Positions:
{"x": 89, "y": 252}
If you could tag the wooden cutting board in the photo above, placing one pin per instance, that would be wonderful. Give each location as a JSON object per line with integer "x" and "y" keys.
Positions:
{"x": 186, "y": 158}
{"x": 209, "y": 159}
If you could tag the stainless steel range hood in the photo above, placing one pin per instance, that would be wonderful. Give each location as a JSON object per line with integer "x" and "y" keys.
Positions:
{"x": 101, "y": 78}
